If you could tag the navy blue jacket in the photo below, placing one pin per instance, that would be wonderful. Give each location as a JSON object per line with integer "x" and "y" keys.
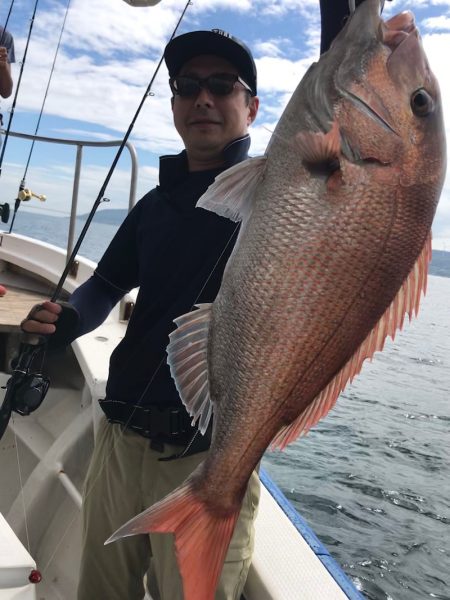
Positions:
{"x": 175, "y": 253}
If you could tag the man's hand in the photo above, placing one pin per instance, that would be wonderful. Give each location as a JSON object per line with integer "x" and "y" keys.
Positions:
{"x": 3, "y": 57}
{"x": 41, "y": 318}
{"x": 6, "y": 82}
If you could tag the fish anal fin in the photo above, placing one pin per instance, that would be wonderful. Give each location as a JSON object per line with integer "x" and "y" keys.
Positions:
{"x": 233, "y": 191}
{"x": 187, "y": 358}
{"x": 406, "y": 302}
{"x": 201, "y": 538}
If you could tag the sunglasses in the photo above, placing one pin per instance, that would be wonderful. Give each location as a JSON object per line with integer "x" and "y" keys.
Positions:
{"x": 219, "y": 84}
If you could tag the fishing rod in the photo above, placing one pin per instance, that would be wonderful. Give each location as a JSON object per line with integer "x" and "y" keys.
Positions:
{"x": 101, "y": 193}
{"x": 27, "y": 386}
{"x": 11, "y": 114}
{"x": 24, "y": 193}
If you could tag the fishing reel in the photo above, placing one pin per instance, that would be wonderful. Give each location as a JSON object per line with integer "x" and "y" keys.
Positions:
{"x": 27, "y": 386}
{"x": 26, "y": 194}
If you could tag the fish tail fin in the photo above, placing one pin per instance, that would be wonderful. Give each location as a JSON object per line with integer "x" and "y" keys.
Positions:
{"x": 201, "y": 538}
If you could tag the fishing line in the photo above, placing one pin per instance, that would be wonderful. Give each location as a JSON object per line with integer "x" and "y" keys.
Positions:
{"x": 11, "y": 114}
{"x": 22, "y": 183}
{"x": 100, "y": 198}
{"x": 21, "y": 488}
{"x": 47, "y": 88}
{"x": 163, "y": 360}
{"x": 88, "y": 491}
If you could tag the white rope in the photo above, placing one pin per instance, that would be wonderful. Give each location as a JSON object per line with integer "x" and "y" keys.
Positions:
{"x": 21, "y": 486}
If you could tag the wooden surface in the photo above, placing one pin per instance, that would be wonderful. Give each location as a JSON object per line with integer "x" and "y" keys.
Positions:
{"x": 15, "y": 305}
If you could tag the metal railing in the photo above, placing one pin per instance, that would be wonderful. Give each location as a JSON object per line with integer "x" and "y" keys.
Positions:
{"x": 80, "y": 144}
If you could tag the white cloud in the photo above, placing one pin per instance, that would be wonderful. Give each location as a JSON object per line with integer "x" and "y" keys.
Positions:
{"x": 112, "y": 28}
{"x": 280, "y": 75}
{"x": 272, "y": 48}
{"x": 437, "y": 23}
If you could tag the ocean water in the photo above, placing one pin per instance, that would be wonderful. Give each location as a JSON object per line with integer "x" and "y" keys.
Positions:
{"x": 373, "y": 477}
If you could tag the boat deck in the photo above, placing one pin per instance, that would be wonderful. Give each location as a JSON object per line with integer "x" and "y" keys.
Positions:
{"x": 22, "y": 292}
{"x": 15, "y": 305}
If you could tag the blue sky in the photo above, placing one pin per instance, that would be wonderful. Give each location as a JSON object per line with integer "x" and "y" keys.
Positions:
{"x": 108, "y": 53}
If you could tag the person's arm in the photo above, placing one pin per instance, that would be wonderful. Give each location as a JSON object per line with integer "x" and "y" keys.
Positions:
{"x": 6, "y": 82}
{"x": 63, "y": 322}
{"x": 91, "y": 302}
{"x": 7, "y": 56}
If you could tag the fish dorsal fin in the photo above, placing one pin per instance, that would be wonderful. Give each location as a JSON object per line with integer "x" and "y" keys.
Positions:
{"x": 231, "y": 195}
{"x": 187, "y": 358}
{"x": 406, "y": 302}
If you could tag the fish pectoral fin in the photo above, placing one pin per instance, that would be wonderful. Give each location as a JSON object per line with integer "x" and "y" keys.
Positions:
{"x": 406, "y": 302}
{"x": 201, "y": 538}
{"x": 231, "y": 195}
{"x": 318, "y": 149}
{"x": 187, "y": 358}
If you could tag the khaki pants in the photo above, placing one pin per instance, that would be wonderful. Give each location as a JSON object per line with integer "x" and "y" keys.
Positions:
{"x": 124, "y": 478}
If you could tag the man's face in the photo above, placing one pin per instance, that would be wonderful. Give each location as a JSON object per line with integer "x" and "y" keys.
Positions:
{"x": 207, "y": 122}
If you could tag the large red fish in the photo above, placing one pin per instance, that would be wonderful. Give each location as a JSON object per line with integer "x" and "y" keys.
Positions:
{"x": 332, "y": 254}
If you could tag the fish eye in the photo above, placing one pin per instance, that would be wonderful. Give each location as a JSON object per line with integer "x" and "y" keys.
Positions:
{"x": 422, "y": 103}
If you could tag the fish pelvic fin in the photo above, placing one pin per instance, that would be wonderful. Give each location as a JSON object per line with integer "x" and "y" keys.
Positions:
{"x": 187, "y": 358}
{"x": 406, "y": 302}
{"x": 201, "y": 538}
{"x": 232, "y": 193}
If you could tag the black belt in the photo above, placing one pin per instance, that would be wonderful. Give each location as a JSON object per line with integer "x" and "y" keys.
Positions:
{"x": 170, "y": 424}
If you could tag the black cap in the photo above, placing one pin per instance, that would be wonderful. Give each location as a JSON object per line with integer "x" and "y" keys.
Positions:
{"x": 220, "y": 43}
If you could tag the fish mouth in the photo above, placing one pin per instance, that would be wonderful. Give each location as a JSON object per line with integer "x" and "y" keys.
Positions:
{"x": 400, "y": 36}
{"x": 407, "y": 62}
{"x": 395, "y": 31}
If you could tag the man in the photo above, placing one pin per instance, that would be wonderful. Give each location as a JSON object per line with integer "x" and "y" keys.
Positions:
{"x": 176, "y": 254}
{"x": 7, "y": 57}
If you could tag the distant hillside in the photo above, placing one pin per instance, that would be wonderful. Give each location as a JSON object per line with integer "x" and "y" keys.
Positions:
{"x": 440, "y": 264}
{"x": 107, "y": 216}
